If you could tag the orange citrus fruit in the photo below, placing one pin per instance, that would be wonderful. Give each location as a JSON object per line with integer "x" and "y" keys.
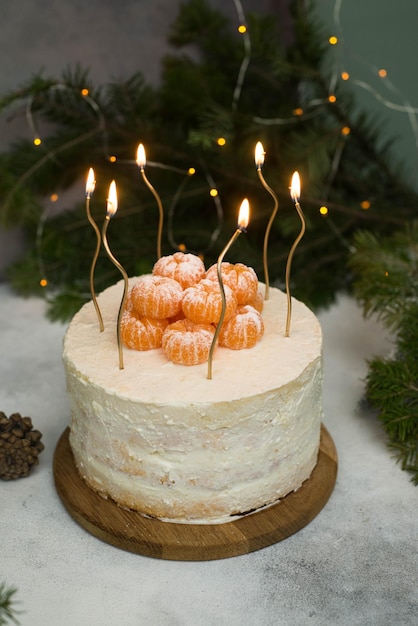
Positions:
{"x": 187, "y": 343}
{"x": 141, "y": 333}
{"x": 156, "y": 296}
{"x": 243, "y": 330}
{"x": 188, "y": 269}
{"x": 202, "y": 303}
{"x": 239, "y": 277}
{"x": 257, "y": 302}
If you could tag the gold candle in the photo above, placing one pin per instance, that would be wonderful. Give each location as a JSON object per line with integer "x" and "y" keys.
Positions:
{"x": 243, "y": 217}
{"x": 295, "y": 195}
{"x": 112, "y": 207}
{"x": 141, "y": 161}
{"x": 90, "y": 186}
{"x": 259, "y": 161}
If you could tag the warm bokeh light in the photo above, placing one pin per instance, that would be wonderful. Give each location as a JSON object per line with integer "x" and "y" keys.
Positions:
{"x": 346, "y": 130}
{"x": 112, "y": 200}
{"x": 366, "y": 204}
{"x": 213, "y": 193}
{"x": 191, "y": 171}
{"x": 333, "y": 40}
{"x": 182, "y": 247}
{"x": 112, "y": 159}
{"x": 43, "y": 282}
{"x": 382, "y": 73}
{"x": 37, "y": 141}
{"x": 332, "y": 98}
{"x": 345, "y": 75}
{"x": 85, "y": 92}
{"x": 221, "y": 141}
{"x": 53, "y": 197}
{"x": 323, "y": 210}
{"x": 242, "y": 29}
{"x": 298, "y": 111}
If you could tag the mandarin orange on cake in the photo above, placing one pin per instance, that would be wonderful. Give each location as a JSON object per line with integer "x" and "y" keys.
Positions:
{"x": 187, "y": 343}
{"x": 257, "y": 302}
{"x": 239, "y": 277}
{"x": 202, "y": 303}
{"x": 156, "y": 296}
{"x": 243, "y": 330}
{"x": 188, "y": 269}
{"x": 140, "y": 332}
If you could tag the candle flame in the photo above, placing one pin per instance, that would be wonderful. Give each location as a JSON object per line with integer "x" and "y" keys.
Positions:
{"x": 295, "y": 187}
{"x": 259, "y": 155}
{"x": 140, "y": 156}
{"x": 112, "y": 200}
{"x": 244, "y": 214}
{"x": 91, "y": 182}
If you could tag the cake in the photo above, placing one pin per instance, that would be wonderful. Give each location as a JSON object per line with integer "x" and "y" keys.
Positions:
{"x": 165, "y": 440}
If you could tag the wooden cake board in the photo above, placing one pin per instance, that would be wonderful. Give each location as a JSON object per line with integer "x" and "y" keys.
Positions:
{"x": 133, "y": 532}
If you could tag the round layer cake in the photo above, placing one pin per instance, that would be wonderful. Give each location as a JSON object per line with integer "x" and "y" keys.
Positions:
{"x": 163, "y": 439}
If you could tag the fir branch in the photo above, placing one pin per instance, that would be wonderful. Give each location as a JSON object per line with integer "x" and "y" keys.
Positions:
{"x": 8, "y": 611}
{"x": 386, "y": 284}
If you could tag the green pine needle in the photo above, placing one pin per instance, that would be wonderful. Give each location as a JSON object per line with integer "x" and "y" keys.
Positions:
{"x": 8, "y": 611}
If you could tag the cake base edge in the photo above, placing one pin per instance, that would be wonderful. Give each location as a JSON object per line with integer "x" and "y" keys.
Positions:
{"x": 132, "y": 532}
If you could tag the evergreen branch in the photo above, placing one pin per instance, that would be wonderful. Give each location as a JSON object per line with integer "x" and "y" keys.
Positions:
{"x": 7, "y": 610}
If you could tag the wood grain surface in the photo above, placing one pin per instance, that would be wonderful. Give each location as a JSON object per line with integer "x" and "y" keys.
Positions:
{"x": 133, "y": 532}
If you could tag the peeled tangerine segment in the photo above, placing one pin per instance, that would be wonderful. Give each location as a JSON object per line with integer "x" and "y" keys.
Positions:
{"x": 257, "y": 302}
{"x": 202, "y": 303}
{"x": 187, "y": 343}
{"x": 239, "y": 277}
{"x": 156, "y": 296}
{"x": 243, "y": 330}
{"x": 141, "y": 333}
{"x": 188, "y": 269}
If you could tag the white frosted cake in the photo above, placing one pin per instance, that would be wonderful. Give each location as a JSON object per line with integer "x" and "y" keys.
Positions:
{"x": 165, "y": 440}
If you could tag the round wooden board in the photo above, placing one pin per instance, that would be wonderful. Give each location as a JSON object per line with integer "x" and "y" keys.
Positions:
{"x": 133, "y": 532}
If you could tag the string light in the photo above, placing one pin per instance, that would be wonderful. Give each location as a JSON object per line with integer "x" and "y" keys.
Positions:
{"x": 112, "y": 158}
{"x": 37, "y": 141}
{"x": 43, "y": 282}
{"x": 346, "y": 130}
{"x": 382, "y": 73}
{"x": 298, "y": 111}
{"x": 191, "y": 171}
{"x": 53, "y": 197}
{"x": 323, "y": 210}
{"x": 332, "y": 98}
{"x": 213, "y": 192}
{"x": 221, "y": 141}
{"x": 333, "y": 40}
{"x": 85, "y": 92}
{"x": 366, "y": 204}
{"x": 345, "y": 75}
{"x": 242, "y": 29}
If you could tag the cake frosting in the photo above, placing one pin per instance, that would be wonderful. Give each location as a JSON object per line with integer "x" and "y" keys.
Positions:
{"x": 163, "y": 439}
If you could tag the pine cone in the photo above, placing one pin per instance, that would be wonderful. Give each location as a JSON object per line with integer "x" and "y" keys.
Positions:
{"x": 20, "y": 446}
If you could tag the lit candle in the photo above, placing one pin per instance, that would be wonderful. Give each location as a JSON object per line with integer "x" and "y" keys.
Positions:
{"x": 243, "y": 218}
{"x": 295, "y": 195}
{"x": 141, "y": 161}
{"x": 90, "y": 185}
{"x": 259, "y": 161}
{"x": 112, "y": 207}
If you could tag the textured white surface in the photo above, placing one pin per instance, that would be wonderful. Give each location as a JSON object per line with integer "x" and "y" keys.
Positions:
{"x": 353, "y": 565}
